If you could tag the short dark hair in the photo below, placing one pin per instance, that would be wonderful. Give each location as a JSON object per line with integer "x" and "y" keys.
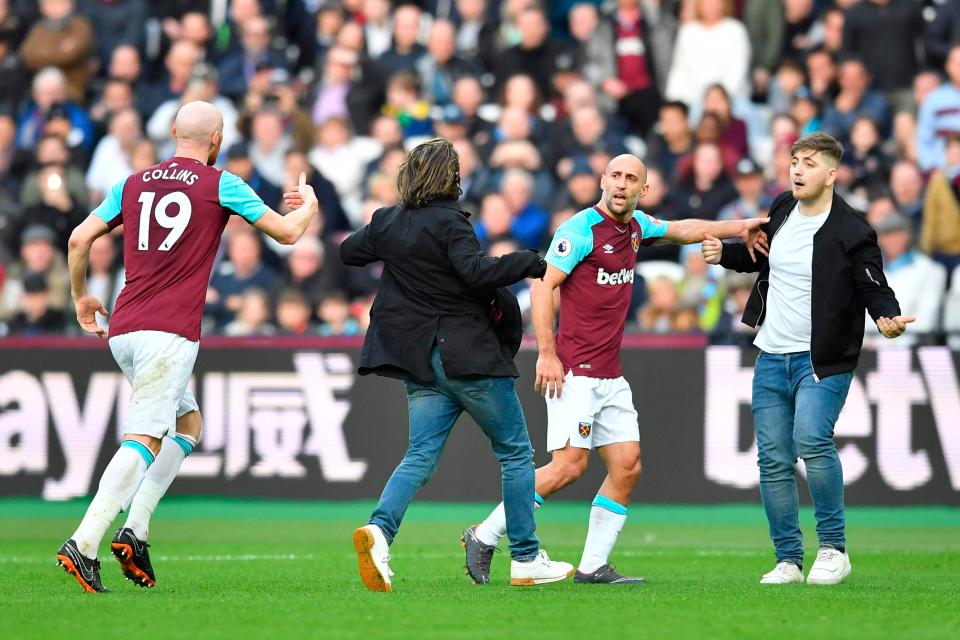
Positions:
{"x": 431, "y": 171}
{"x": 827, "y": 145}
{"x": 676, "y": 104}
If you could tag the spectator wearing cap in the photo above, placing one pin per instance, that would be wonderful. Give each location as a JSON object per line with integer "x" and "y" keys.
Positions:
{"x": 939, "y": 116}
{"x": 406, "y": 50}
{"x": 238, "y": 67}
{"x": 855, "y": 99}
{"x": 35, "y": 316}
{"x": 178, "y": 67}
{"x": 918, "y": 282}
{"x": 38, "y": 254}
{"x": 203, "y": 84}
{"x": 751, "y": 201}
{"x": 111, "y": 159}
{"x": 62, "y": 39}
{"x": 48, "y": 102}
{"x": 940, "y": 229}
{"x": 440, "y": 67}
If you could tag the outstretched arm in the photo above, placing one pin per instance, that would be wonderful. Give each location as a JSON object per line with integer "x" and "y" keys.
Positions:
{"x": 693, "y": 231}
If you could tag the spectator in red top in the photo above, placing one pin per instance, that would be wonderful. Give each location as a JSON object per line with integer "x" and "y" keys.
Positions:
{"x": 635, "y": 85}
{"x": 733, "y": 130}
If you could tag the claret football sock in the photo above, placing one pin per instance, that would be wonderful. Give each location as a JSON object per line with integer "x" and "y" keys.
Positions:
{"x": 117, "y": 485}
{"x": 156, "y": 482}
{"x": 606, "y": 520}
{"x": 492, "y": 530}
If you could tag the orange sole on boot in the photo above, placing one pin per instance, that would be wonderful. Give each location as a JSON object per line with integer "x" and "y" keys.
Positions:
{"x": 372, "y": 578}
{"x": 71, "y": 568}
{"x": 124, "y": 555}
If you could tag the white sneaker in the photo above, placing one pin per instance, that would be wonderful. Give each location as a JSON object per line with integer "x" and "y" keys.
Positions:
{"x": 373, "y": 557}
{"x": 540, "y": 570}
{"x": 784, "y": 573}
{"x": 831, "y": 567}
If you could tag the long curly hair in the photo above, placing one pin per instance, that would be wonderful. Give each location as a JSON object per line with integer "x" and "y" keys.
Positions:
{"x": 431, "y": 171}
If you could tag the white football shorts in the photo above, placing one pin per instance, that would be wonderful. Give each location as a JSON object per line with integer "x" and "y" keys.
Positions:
{"x": 158, "y": 366}
{"x": 591, "y": 412}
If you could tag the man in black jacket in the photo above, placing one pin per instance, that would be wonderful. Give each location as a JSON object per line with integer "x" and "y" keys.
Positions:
{"x": 822, "y": 267}
{"x": 433, "y": 325}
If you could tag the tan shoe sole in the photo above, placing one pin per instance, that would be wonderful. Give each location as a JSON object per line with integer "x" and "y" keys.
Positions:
{"x": 530, "y": 582}
{"x": 369, "y": 573}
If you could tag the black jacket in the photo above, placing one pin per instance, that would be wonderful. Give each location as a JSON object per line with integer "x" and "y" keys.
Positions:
{"x": 438, "y": 288}
{"x": 847, "y": 276}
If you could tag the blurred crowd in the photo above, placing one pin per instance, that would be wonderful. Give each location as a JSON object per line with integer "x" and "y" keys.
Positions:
{"x": 537, "y": 97}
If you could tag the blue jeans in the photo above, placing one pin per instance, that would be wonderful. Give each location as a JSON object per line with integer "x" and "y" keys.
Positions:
{"x": 794, "y": 417}
{"x": 434, "y": 407}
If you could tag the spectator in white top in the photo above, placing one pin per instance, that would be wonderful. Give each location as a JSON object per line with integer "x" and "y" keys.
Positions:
{"x": 713, "y": 48}
{"x": 111, "y": 159}
{"x": 918, "y": 282}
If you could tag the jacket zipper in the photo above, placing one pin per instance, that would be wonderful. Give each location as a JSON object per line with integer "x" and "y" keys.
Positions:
{"x": 763, "y": 305}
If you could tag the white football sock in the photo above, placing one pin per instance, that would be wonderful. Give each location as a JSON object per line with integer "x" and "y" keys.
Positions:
{"x": 606, "y": 521}
{"x": 156, "y": 482}
{"x": 117, "y": 485}
{"x": 492, "y": 530}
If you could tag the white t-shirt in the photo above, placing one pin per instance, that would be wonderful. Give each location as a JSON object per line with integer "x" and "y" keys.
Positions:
{"x": 786, "y": 328}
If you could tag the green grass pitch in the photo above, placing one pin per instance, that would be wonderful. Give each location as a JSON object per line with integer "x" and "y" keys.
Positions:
{"x": 269, "y": 569}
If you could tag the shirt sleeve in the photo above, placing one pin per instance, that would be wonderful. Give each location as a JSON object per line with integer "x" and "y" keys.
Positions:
{"x": 237, "y": 196}
{"x": 568, "y": 248}
{"x": 650, "y": 228}
{"x": 109, "y": 209}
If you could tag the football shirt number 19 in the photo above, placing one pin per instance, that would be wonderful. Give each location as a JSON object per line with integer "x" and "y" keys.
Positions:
{"x": 177, "y": 224}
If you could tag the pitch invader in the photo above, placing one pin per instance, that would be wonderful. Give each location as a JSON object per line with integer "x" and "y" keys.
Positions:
{"x": 173, "y": 215}
{"x": 589, "y": 404}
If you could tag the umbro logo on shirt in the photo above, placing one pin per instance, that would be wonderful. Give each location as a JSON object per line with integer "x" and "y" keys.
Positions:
{"x": 608, "y": 248}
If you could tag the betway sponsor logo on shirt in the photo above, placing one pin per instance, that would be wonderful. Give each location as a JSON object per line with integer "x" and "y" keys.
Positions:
{"x": 624, "y": 276}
